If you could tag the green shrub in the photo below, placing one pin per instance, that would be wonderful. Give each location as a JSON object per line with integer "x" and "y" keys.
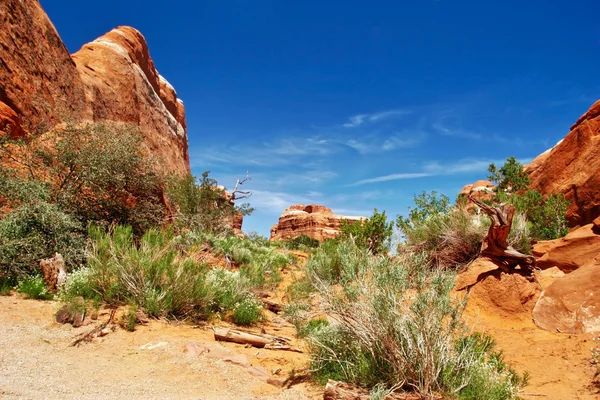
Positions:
{"x": 7, "y": 285}
{"x": 373, "y": 233}
{"x": 129, "y": 319}
{"x": 34, "y": 230}
{"x": 337, "y": 261}
{"x": 203, "y": 206}
{"x": 450, "y": 236}
{"x": 34, "y": 287}
{"x": 510, "y": 177}
{"x": 247, "y": 312}
{"x": 153, "y": 274}
{"x": 302, "y": 242}
{"x": 397, "y": 326}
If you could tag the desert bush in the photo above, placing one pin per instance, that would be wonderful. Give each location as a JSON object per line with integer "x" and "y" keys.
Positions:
{"x": 203, "y": 205}
{"x": 302, "y": 242}
{"x": 129, "y": 319}
{"x": 397, "y": 325}
{"x": 259, "y": 264}
{"x": 337, "y": 261}
{"x": 449, "y": 235}
{"x": 153, "y": 274}
{"x": 373, "y": 233}
{"x": 34, "y": 287}
{"x": 36, "y": 230}
{"x": 247, "y": 312}
{"x": 546, "y": 215}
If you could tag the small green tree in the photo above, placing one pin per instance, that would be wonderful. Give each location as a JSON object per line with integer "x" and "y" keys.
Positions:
{"x": 204, "y": 206}
{"x": 510, "y": 177}
{"x": 428, "y": 205}
{"x": 373, "y": 233}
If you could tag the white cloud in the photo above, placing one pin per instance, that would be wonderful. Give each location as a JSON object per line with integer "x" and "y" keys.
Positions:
{"x": 435, "y": 168}
{"x": 360, "y": 119}
{"x": 392, "y": 177}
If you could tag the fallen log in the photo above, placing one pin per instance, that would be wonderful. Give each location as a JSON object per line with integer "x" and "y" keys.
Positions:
{"x": 273, "y": 306}
{"x": 235, "y": 336}
{"x": 265, "y": 341}
{"x": 495, "y": 244}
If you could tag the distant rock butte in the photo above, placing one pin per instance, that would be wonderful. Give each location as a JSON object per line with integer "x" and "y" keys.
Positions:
{"x": 571, "y": 168}
{"x": 315, "y": 221}
{"x": 480, "y": 190}
{"x": 111, "y": 79}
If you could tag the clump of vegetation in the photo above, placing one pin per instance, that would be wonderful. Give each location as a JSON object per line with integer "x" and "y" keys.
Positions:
{"x": 546, "y": 215}
{"x": 373, "y": 233}
{"x": 204, "y": 205}
{"x": 34, "y": 229}
{"x": 449, "y": 235}
{"x": 34, "y": 287}
{"x": 397, "y": 326}
{"x": 247, "y": 312}
{"x": 129, "y": 319}
{"x": 302, "y": 242}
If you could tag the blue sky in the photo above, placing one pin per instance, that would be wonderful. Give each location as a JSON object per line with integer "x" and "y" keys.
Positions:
{"x": 359, "y": 105}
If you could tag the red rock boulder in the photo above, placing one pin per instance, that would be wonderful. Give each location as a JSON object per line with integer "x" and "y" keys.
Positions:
{"x": 497, "y": 293}
{"x": 571, "y": 168}
{"x": 480, "y": 190}
{"x": 579, "y": 247}
{"x": 571, "y": 304}
{"x": 315, "y": 221}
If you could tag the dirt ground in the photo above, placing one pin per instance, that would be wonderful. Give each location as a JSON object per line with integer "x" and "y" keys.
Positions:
{"x": 559, "y": 365}
{"x": 37, "y": 361}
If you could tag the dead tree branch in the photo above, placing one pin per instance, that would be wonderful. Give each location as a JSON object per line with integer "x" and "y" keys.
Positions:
{"x": 495, "y": 244}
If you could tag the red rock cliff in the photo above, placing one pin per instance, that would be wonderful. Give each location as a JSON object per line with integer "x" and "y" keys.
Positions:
{"x": 112, "y": 78}
{"x": 572, "y": 168}
{"x": 317, "y": 222}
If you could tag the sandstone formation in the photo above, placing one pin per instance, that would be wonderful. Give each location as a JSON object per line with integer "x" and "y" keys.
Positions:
{"x": 571, "y": 304}
{"x": 571, "y": 168}
{"x": 10, "y": 122}
{"x": 581, "y": 246}
{"x": 315, "y": 221}
{"x": 508, "y": 295}
{"x": 481, "y": 190}
{"x": 112, "y": 79}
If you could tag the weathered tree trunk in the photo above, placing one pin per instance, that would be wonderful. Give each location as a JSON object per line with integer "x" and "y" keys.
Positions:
{"x": 262, "y": 341}
{"x": 495, "y": 243}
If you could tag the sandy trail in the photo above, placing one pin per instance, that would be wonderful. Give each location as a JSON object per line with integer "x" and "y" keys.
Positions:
{"x": 37, "y": 362}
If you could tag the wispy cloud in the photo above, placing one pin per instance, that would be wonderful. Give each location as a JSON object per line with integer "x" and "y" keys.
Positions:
{"x": 455, "y": 132}
{"x": 360, "y": 119}
{"x": 374, "y": 144}
{"x": 392, "y": 177}
{"x": 434, "y": 168}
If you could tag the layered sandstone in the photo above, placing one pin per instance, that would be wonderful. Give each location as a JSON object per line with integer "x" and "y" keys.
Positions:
{"x": 315, "y": 221}
{"x": 571, "y": 304}
{"x": 579, "y": 247}
{"x": 571, "y": 168}
{"x": 111, "y": 79}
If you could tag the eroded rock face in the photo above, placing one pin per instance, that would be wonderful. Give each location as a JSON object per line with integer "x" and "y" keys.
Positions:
{"x": 571, "y": 304}
{"x": 38, "y": 78}
{"x": 122, "y": 84}
{"x": 315, "y": 221}
{"x": 111, "y": 79}
{"x": 571, "y": 168}
{"x": 581, "y": 246}
{"x": 10, "y": 122}
{"x": 494, "y": 292}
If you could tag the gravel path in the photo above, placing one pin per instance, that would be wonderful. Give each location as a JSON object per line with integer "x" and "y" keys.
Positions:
{"x": 37, "y": 362}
